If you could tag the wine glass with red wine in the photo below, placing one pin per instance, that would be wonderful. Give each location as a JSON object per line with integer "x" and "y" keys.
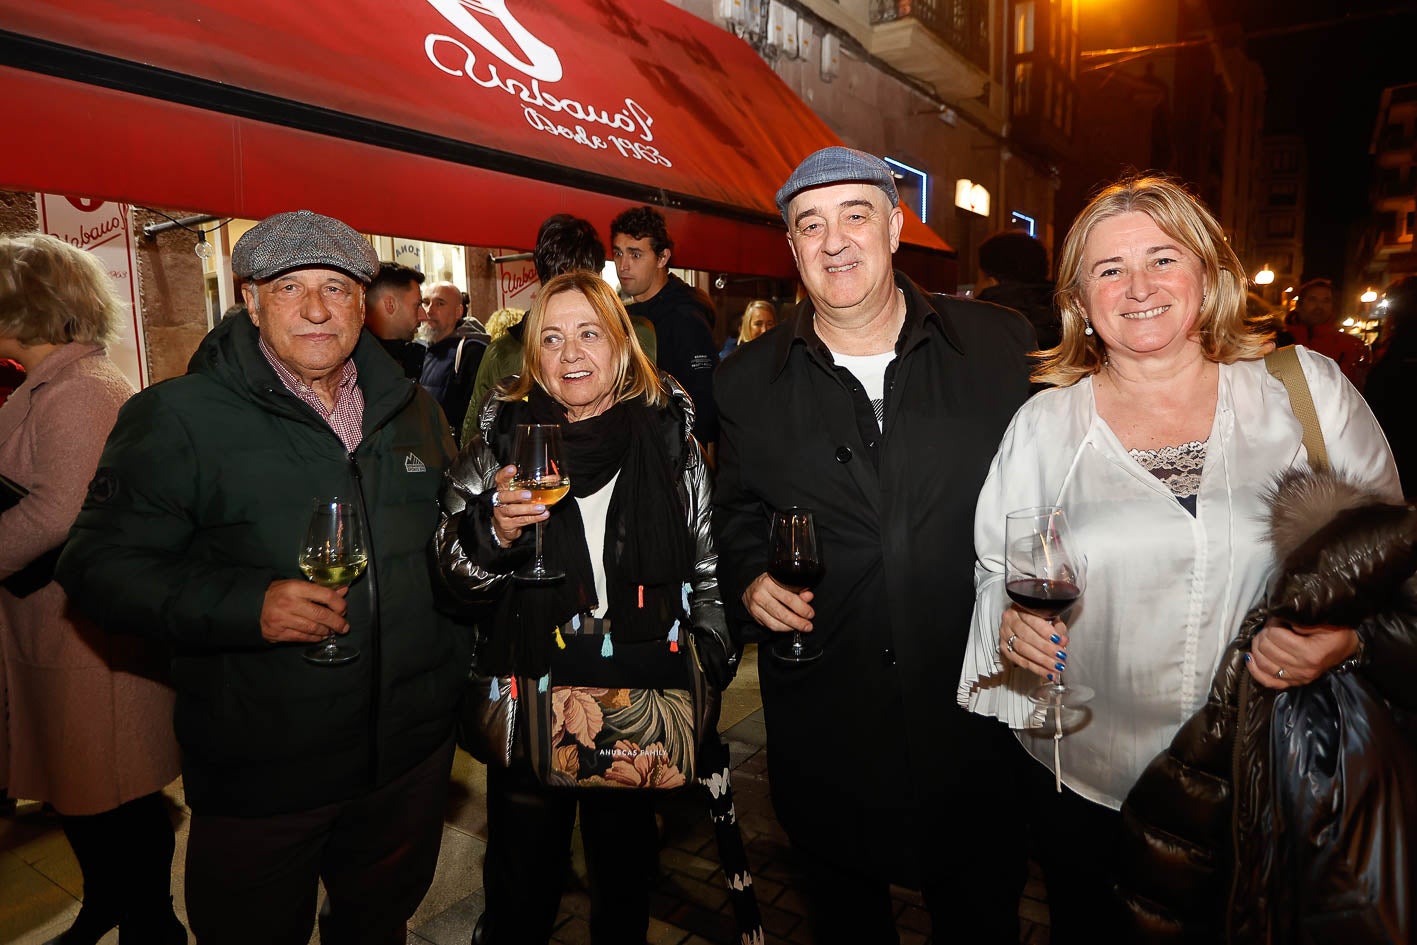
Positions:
{"x": 1045, "y": 574}
{"x": 796, "y": 564}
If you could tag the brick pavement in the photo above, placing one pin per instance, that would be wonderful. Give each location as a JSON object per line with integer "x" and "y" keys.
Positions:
{"x": 40, "y": 885}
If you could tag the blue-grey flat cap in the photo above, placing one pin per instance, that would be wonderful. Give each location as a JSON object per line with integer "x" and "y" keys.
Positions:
{"x": 837, "y": 165}
{"x": 301, "y": 239}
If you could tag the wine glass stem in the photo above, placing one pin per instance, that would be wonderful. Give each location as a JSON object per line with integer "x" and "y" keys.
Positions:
{"x": 796, "y": 642}
{"x": 538, "y": 564}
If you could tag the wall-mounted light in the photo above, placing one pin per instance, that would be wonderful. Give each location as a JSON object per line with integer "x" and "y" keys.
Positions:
{"x": 972, "y": 197}
{"x": 831, "y": 56}
{"x": 1265, "y": 276}
{"x": 1369, "y": 296}
{"x": 1024, "y": 222}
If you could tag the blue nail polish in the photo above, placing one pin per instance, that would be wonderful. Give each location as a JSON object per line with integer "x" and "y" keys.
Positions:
{"x": 1059, "y": 667}
{"x": 1050, "y": 677}
{"x": 1056, "y": 639}
{"x": 1062, "y": 656}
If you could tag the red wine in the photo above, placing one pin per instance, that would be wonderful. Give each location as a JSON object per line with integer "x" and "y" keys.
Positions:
{"x": 796, "y": 574}
{"x": 1044, "y": 598}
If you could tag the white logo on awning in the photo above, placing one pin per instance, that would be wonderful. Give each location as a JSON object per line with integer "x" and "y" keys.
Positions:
{"x": 538, "y": 59}
{"x": 568, "y": 116}
{"x": 411, "y": 463}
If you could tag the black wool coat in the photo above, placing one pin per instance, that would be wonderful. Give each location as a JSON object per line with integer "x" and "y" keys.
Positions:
{"x": 867, "y": 745}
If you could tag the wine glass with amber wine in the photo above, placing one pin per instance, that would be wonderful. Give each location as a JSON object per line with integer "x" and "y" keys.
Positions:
{"x": 542, "y": 472}
{"x": 796, "y": 564}
{"x": 334, "y": 554}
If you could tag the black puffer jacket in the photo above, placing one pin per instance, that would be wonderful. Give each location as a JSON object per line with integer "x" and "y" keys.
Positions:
{"x": 1288, "y": 816}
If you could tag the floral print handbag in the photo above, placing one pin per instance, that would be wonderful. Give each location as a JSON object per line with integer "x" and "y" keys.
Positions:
{"x": 584, "y": 731}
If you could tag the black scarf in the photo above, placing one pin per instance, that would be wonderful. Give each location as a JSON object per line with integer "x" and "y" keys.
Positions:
{"x": 648, "y": 546}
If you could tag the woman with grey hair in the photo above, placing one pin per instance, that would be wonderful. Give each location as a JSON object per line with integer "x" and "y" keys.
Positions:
{"x": 87, "y": 717}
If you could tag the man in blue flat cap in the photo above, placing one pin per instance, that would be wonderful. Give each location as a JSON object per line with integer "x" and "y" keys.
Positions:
{"x": 879, "y": 407}
{"x": 297, "y": 773}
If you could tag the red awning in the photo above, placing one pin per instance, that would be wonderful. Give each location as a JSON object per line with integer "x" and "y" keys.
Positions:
{"x": 461, "y": 121}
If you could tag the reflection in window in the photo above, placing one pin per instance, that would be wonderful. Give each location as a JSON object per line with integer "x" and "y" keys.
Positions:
{"x": 1023, "y": 87}
{"x": 1023, "y": 27}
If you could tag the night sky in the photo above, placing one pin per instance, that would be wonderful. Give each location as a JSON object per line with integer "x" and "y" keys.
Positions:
{"x": 1325, "y": 84}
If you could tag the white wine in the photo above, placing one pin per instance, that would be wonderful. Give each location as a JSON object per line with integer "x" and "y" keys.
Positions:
{"x": 544, "y": 491}
{"x": 335, "y": 570}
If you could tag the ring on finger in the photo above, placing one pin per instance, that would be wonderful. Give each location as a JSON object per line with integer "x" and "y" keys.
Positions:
{"x": 1010, "y": 643}
{"x": 1280, "y": 674}
{"x": 496, "y": 500}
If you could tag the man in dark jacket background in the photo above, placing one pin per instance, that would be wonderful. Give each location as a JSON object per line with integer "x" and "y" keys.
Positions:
{"x": 393, "y": 306}
{"x": 682, "y": 316}
{"x": 879, "y": 407}
{"x": 295, "y": 772}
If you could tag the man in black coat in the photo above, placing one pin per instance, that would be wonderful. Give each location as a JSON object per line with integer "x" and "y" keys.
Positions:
{"x": 682, "y": 316}
{"x": 879, "y": 407}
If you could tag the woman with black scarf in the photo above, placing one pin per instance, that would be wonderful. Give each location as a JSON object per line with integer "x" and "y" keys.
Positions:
{"x": 633, "y": 540}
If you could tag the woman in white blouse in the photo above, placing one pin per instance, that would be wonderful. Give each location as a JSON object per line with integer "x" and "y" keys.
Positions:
{"x": 1162, "y": 433}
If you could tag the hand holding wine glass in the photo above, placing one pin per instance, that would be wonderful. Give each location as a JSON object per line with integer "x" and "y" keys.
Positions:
{"x": 796, "y": 564}
{"x": 541, "y": 471}
{"x": 334, "y": 554}
{"x": 1044, "y": 575}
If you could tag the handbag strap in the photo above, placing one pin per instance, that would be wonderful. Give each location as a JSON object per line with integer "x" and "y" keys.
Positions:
{"x": 1284, "y": 364}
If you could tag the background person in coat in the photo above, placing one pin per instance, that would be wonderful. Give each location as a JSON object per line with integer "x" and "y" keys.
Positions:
{"x": 633, "y": 541}
{"x": 877, "y": 406}
{"x": 295, "y": 772}
{"x": 1160, "y": 439}
{"x": 87, "y": 719}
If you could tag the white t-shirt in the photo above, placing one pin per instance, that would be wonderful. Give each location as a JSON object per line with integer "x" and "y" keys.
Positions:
{"x": 594, "y": 508}
{"x": 870, "y": 370}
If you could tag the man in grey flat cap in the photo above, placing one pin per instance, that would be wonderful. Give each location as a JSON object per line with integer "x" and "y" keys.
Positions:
{"x": 295, "y": 771}
{"x": 887, "y": 404}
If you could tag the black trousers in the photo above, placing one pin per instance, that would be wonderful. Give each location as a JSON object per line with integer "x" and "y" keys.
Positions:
{"x": 970, "y": 858}
{"x": 1075, "y": 842}
{"x": 125, "y": 855}
{"x": 254, "y": 879}
{"x": 528, "y": 858}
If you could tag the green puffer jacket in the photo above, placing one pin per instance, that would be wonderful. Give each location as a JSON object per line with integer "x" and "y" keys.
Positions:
{"x": 201, "y": 500}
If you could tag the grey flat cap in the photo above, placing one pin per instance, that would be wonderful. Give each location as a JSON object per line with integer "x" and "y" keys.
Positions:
{"x": 837, "y": 165}
{"x": 300, "y": 239}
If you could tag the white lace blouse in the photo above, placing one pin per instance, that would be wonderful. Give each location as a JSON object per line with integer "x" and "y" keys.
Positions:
{"x": 1166, "y": 589}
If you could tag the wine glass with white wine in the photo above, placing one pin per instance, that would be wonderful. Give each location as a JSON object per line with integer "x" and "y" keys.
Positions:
{"x": 335, "y": 552}
{"x": 542, "y": 472}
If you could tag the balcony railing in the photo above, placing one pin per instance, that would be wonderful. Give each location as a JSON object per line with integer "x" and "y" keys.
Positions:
{"x": 963, "y": 25}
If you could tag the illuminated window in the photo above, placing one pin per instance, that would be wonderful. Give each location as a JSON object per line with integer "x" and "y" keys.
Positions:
{"x": 1023, "y": 27}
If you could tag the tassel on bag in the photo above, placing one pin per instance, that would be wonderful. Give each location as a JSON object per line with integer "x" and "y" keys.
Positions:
{"x": 542, "y": 683}
{"x": 494, "y": 692}
{"x": 607, "y": 649}
{"x": 674, "y": 638}
{"x": 576, "y": 622}
{"x": 560, "y": 641}
{"x": 512, "y": 689}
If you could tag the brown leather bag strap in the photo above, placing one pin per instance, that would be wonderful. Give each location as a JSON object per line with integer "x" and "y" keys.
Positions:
{"x": 1284, "y": 364}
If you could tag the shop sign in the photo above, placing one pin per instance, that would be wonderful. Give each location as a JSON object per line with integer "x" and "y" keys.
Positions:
{"x": 624, "y": 126}
{"x": 516, "y": 284}
{"x": 105, "y": 229}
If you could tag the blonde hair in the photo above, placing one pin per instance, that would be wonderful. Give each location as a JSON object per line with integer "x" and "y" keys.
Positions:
{"x": 1226, "y": 331}
{"x": 635, "y": 375}
{"x": 499, "y": 321}
{"x": 747, "y": 323}
{"x": 55, "y": 293}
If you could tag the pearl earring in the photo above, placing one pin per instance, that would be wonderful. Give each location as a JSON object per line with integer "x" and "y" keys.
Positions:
{"x": 1088, "y": 329}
